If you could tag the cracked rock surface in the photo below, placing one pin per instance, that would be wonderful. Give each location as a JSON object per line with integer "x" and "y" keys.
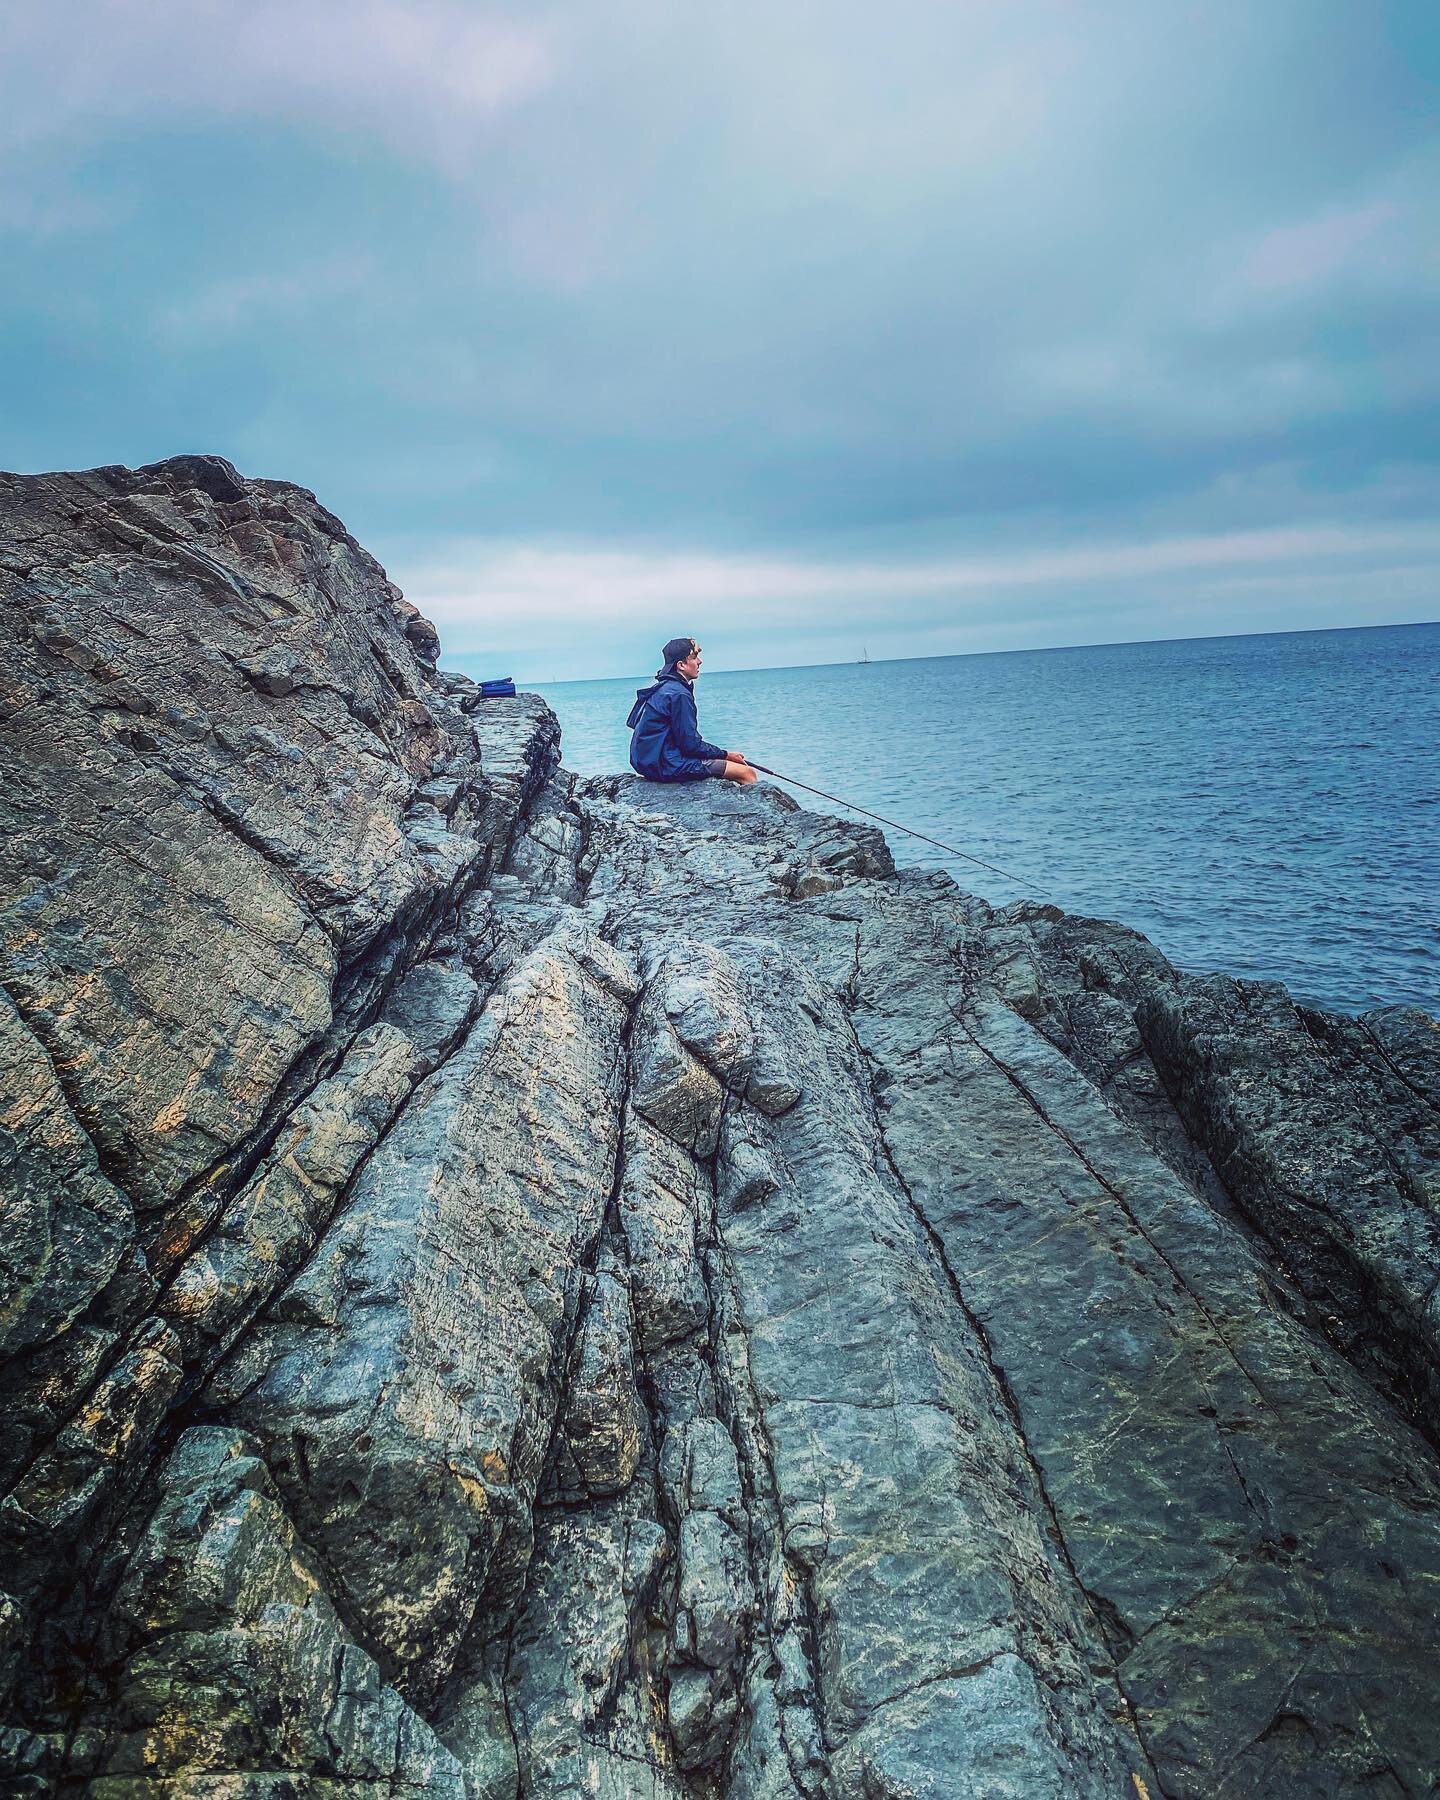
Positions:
{"x": 523, "y": 1287}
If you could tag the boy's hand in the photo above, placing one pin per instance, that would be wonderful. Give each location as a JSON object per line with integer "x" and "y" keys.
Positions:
{"x": 736, "y": 756}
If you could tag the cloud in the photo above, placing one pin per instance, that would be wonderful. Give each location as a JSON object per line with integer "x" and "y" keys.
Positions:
{"x": 426, "y": 78}
{"x": 528, "y": 599}
{"x": 610, "y": 583}
{"x": 1296, "y": 255}
{"x": 35, "y": 213}
{"x": 1377, "y": 244}
{"x": 245, "y": 302}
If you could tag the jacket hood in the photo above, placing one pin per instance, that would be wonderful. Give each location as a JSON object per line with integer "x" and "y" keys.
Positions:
{"x": 661, "y": 678}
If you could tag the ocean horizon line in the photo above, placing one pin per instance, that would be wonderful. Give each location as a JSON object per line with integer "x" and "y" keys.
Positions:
{"x": 1206, "y": 637}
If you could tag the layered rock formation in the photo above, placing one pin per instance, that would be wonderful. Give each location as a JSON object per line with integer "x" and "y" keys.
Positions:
{"x": 524, "y": 1287}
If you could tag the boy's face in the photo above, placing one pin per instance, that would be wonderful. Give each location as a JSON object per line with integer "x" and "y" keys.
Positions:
{"x": 690, "y": 666}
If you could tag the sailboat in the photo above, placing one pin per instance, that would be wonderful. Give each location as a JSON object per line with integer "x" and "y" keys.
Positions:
{"x": 864, "y": 656}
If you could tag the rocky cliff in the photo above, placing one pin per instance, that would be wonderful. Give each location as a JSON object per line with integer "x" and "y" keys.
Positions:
{"x": 515, "y": 1286}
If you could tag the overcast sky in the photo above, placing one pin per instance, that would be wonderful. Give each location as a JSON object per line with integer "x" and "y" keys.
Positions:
{"x": 805, "y": 326}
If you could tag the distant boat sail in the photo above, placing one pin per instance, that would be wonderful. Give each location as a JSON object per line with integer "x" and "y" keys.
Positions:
{"x": 864, "y": 656}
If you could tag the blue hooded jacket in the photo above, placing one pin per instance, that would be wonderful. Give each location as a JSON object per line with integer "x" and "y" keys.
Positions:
{"x": 665, "y": 743}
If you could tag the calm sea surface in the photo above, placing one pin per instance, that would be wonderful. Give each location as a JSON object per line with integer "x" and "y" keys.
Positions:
{"x": 1269, "y": 806}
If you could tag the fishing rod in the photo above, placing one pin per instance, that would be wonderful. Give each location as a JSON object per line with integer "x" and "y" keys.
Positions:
{"x": 894, "y": 824}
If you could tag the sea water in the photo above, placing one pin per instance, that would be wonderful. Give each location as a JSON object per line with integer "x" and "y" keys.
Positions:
{"x": 1267, "y": 805}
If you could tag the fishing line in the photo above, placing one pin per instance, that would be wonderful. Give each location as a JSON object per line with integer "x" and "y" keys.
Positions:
{"x": 895, "y": 825}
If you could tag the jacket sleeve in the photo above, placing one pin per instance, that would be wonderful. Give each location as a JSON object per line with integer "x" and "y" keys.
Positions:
{"x": 688, "y": 740}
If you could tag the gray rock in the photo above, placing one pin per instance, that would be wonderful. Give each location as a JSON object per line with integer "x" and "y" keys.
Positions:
{"x": 433, "y": 1004}
{"x": 222, "y": 1605}
{"x": 673, "y": 1090}
{"x": 700, "y": 1469}
{"x": 659, "y": 1207}
{"x": 603, "y": 1423}
{"x": 273, "y": 1223}
{"x": 524, "y": 1286}
{"x": 713, "y": 1591}
{"x": 578, "y": 1677}
{"x": 1320, "y": 1134}
{"x": 699, "y": 991}
{"x": 411, "y": 1384}
{"x": 1189, "y": 1544}
{"x": 66, "y": 1226}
